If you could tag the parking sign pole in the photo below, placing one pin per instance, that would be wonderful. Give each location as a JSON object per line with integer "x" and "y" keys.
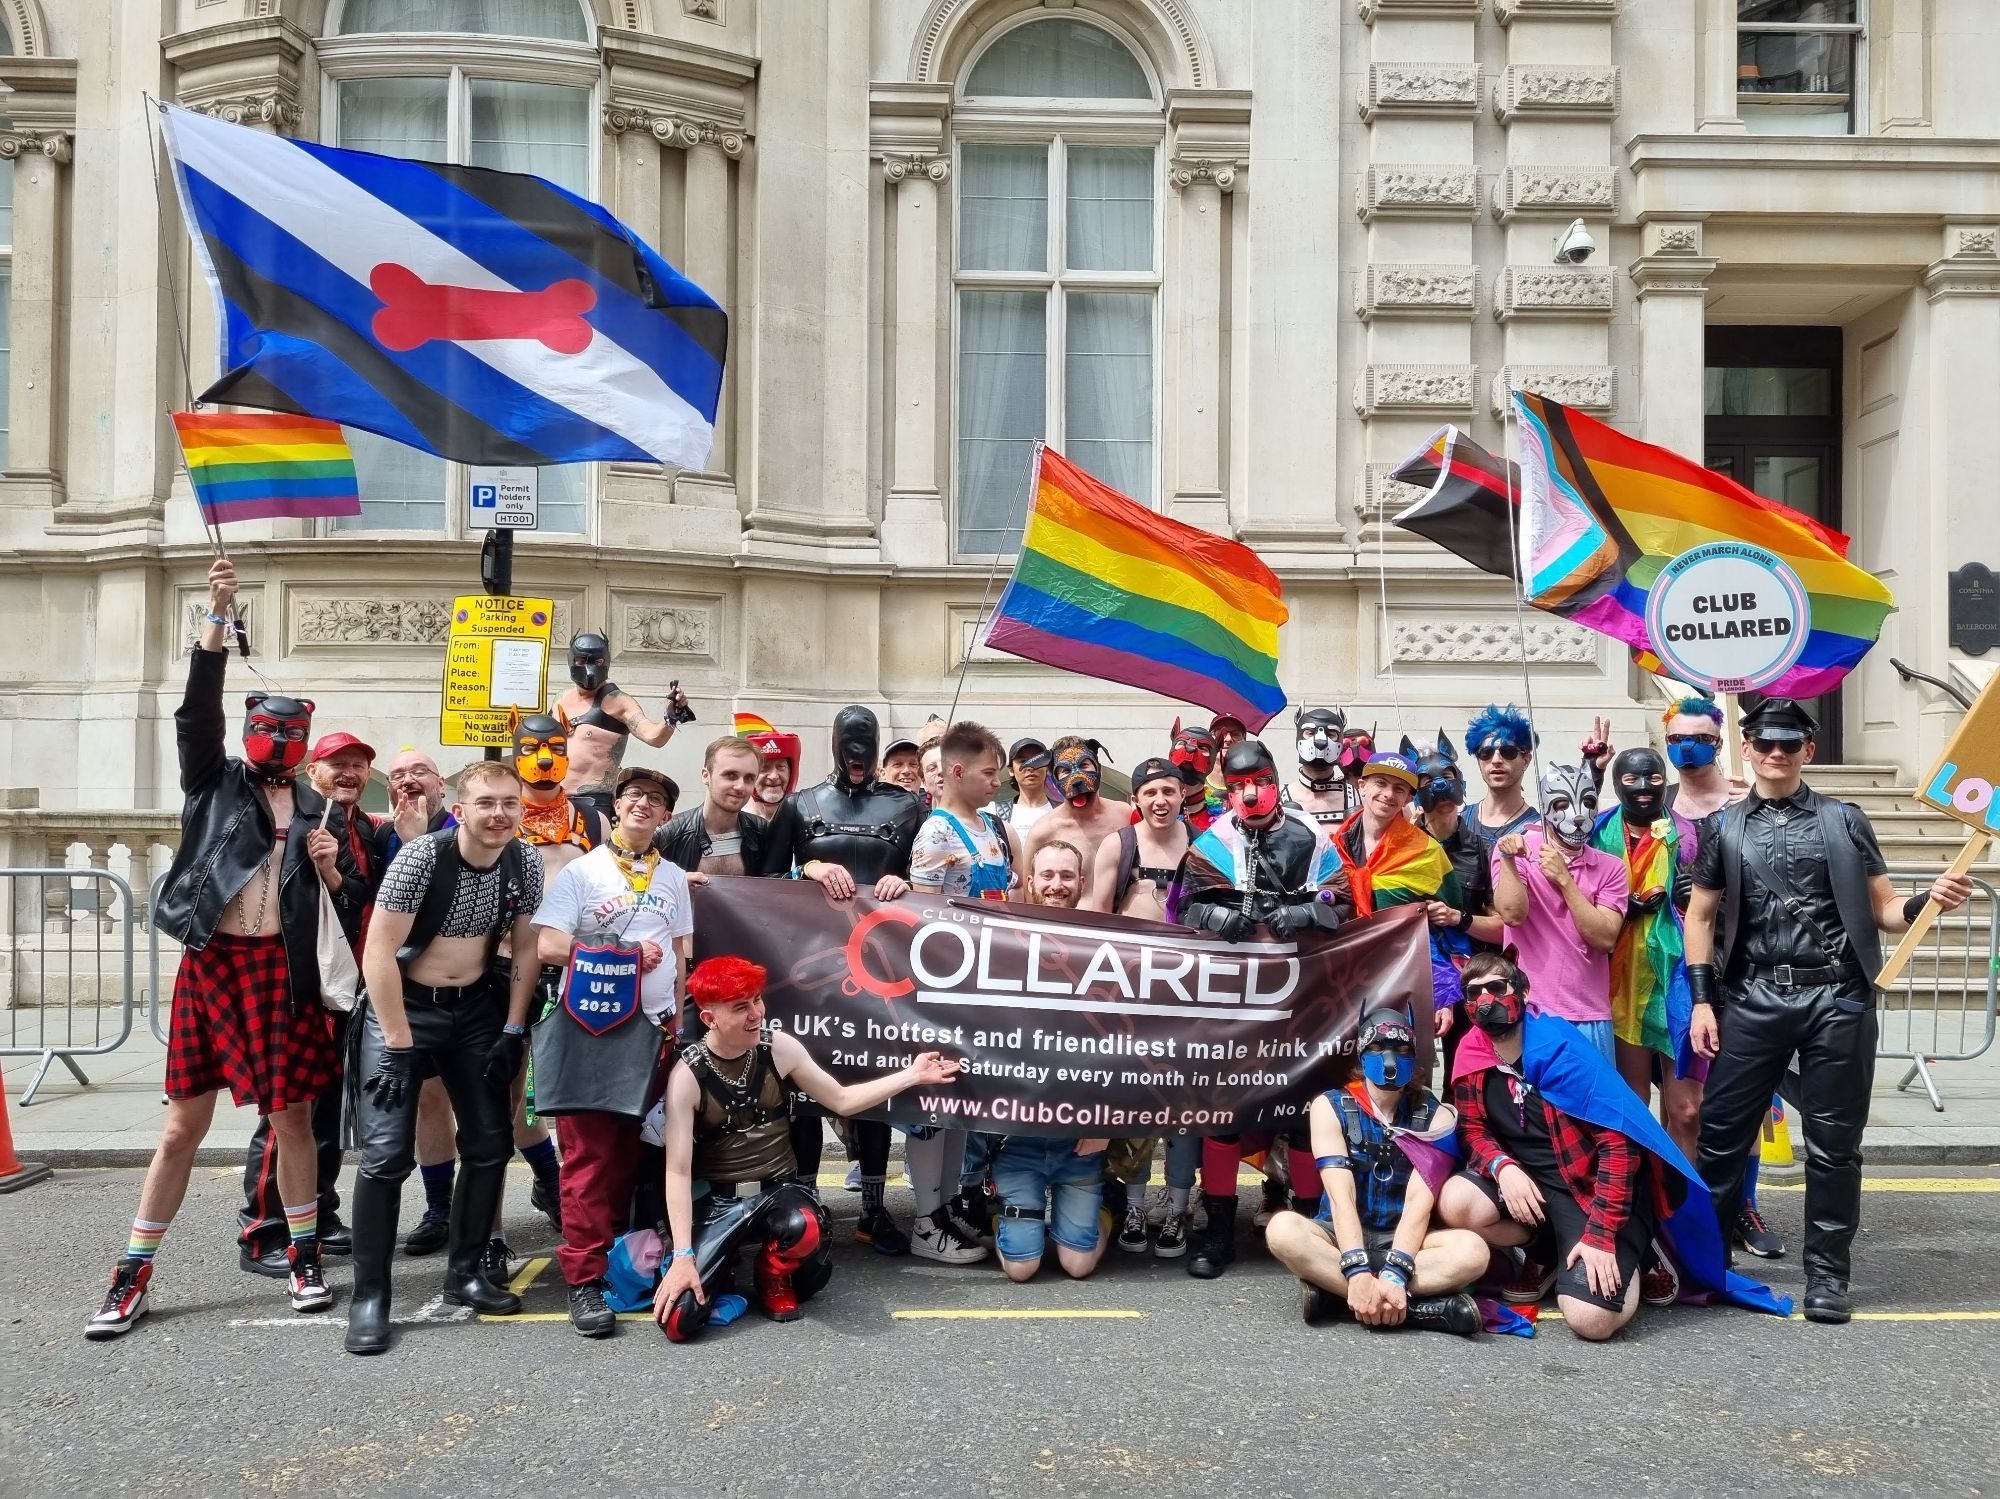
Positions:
{"x": 496, "y": 576}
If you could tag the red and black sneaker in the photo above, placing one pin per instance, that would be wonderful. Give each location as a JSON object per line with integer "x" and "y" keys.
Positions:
{"x": 124, "y": 1303}
{"x": 308, "y": 1287}
{"x": 775, "y": 1293}
{"x": 1529, "y": 1284}
{"x": 1757, "y": 1236}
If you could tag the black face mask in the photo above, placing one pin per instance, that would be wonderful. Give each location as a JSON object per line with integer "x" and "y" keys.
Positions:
{"x": 589, "y": 661}
{"x": 1498, "y": 1016}
{"x": 1645, "y": 802}
{"x": 857, "y": 745}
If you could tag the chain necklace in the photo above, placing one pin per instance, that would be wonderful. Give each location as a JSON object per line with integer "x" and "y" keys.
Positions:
{"x": 742, "y": 1075}
{"x": 254, "y": 925}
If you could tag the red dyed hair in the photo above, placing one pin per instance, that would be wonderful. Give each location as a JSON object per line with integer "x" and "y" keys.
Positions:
{"x": 725, "y": 981}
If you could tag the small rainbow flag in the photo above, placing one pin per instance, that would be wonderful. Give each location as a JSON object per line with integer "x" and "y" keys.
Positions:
{"x": 257, "y": 465}
{"x": 750, "y": 723}
{"x": 1109, "y": 589}
{"x": 1603, "y": 513}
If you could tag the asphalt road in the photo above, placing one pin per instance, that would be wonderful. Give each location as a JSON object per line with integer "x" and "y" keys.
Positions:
{"x": 912, "y": 1378}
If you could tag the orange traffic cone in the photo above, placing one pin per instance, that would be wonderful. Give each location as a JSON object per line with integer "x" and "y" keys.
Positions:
{"x": 14, "y": 1172}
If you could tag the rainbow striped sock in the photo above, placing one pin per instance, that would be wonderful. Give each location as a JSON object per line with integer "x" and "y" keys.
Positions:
{"x": 145, "y": 1240}
{"x": 303, "y": 1222}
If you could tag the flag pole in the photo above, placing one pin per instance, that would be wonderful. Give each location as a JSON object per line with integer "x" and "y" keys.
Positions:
{"x": 965, "y": 659}
{"x": 1510, "y": 420}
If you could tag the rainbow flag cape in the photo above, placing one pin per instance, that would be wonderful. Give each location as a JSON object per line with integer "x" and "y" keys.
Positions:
{"x": 1109, "y": 589}
{"x": 1602, "y": 514}
{"x": 1408, "y": 864}
{"x": 259, "y": 465}
{"x": 1649, "y": 958}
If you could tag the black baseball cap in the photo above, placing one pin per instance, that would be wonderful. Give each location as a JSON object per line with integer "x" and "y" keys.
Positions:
{"x": 1029, "y": 752}
{"x": 1157, "y": 768}
{"x": 900, "y": 747}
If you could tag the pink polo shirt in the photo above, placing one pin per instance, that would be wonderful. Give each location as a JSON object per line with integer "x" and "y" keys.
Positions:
{"x": 1566, "y": 975}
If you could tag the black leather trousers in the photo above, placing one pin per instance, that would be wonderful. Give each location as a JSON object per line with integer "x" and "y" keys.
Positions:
{"x": 1831, "y": 1029}
{"x": 452, "y": 1041}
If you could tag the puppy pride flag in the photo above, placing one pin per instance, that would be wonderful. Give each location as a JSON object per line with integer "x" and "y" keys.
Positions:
{"x": 1107, "y": 588}
{"x": 256, "y": 465}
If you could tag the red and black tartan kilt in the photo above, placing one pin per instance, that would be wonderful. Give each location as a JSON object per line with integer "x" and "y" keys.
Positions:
{"x": 233, "y": 1028}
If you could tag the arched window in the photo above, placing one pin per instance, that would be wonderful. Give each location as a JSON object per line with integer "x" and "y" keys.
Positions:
{"x": 1057, "y": 271}
{"x": 446, "y": 80}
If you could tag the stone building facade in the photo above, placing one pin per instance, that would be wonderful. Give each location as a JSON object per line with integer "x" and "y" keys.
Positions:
{"x": 1239, "y": 256}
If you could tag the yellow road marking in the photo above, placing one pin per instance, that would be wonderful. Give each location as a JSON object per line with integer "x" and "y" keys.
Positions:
{"x": 1002, "y": 1314}
{"x": 527, "y": 1275}
{"x": 1902, "y": 1184}
{"x": 1986, "y": 1316}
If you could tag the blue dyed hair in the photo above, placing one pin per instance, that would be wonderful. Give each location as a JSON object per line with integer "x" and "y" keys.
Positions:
{"x": 1706, "y": 707}
{"x": 1508, "y": 724}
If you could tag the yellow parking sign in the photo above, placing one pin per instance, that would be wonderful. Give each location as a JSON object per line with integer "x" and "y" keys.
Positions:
{"x": 496, "y": 658}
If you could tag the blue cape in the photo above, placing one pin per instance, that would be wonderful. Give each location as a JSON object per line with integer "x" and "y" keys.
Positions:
{"x": 1574, "y": 1076}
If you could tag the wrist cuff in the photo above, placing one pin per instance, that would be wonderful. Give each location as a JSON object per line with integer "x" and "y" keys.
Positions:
{"x": 1354, "y": 1262}
{"x": 682, "y": 1254}
{"x": 512, "y": 1029}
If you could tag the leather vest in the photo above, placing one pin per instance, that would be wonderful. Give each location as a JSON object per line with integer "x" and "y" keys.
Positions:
{"x": 868, "y": 832}
{"x": 1844, "y": 869}
{"x": 742, "y": 1133}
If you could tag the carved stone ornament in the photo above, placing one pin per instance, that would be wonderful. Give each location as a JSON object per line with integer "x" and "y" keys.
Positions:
{"x": 1973, "y": 243}
{"x": 1380, "y": 499}
{"x": 266, "y": 107}
{"x": 1553, "y": 291}
{"x": 1184, "y": 174}
{"x": 1431, "y": 191}
{"x": 1506, "y": 12}
{"x": 683, "y": 132}
{"x": 335, "y": 619}
{"x": 666, "y": 630}
{"x": 936, "y": 168}
{"x": 703, "y": 10}
{"x": 1420, "y": 88}
{"x": 1490, "y": 642}
{"x": 194, "y": 604}
{"x": 1529, "y": 91}
{"x": 1587, "y": 387}
{"x": 1415, "y": 387}
{"x": 1554, "y": 192}
{"x": 1447, "y": 291}
{"x": 1677, "y": 239}
{"x": 54, "y": 144}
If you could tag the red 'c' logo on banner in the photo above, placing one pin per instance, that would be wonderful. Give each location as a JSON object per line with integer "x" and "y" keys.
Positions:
{"x": 859, "y": 979}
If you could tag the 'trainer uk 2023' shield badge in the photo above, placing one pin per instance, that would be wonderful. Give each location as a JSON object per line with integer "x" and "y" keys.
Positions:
{"x": 603, "y": 988}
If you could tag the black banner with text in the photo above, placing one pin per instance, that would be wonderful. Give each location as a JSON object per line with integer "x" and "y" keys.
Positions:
{"x": 1068, "y": 1022}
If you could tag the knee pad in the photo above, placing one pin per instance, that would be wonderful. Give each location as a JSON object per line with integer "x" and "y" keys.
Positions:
{"x": 686, "y": 1319}
{"x": 797, "y": 1231}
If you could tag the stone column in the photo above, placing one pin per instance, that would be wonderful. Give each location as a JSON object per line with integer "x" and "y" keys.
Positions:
{"x": 1718, "y": 68}
{"x": 1672, "y": 281}
{"x": 38, "y": 170}
{"x": 708, "y": 246}
{"x": 913, "y": 524}
{"x": 1196, "y": 336}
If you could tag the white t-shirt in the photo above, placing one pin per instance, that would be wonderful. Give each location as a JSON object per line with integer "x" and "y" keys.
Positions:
{"x": 939, "y": 856}
{"x": 592, "y": 892}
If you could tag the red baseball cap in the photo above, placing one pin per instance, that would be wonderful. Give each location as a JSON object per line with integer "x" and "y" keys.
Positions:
{"x": 332, "y": 744}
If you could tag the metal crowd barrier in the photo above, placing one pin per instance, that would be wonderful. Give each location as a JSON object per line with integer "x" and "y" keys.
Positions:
{"x": 153, "y": 1021}
{"x": 55, "y": 984}
{"x": 1942, "y": 1008}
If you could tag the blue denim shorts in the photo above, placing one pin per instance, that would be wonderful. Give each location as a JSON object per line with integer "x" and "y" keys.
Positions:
{"x": 1048, "y": 1175}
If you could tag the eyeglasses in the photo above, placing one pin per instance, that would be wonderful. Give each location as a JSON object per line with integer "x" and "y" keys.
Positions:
{"x": 1694, "y": 739}
{"x": 658, "y": 798}
{"x": 1509, "y": 752}
{"x": 1777, "y": 746}
{"x": 1489, "y": 988}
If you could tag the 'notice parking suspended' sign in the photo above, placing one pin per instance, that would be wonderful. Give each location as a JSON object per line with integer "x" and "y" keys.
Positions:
{"x": 496, "y": 658}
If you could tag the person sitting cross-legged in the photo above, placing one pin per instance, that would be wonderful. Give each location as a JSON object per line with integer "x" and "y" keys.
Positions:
{"x": 1372, "y": 1248}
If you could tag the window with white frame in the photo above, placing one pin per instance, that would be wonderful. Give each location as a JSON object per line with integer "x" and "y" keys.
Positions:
{"x": 1799, "y": 66}
{"x": 1057, "y": 273}
{"x": 452, "y": 81}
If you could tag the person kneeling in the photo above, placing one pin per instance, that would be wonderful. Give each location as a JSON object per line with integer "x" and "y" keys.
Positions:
{"x": 1050, "y": 1189}
{"x": 1372, "y": 1246}
{"x": 727, "y": 1122}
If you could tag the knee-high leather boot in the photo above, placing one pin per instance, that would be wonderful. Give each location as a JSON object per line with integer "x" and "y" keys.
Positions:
{"x": 375, "y": 1205}
{"x": 472, "y": 1210}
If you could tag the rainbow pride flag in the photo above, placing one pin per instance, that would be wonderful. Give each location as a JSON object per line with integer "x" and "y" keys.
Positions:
{"x": 259, "y": 465}
{"x": 1109, "y": 589}
{"x": 1603, "y": 513}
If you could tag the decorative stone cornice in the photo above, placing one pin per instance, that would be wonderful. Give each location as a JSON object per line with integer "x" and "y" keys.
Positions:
{"x": 1567, "y": 291}
{"x": 1554, "y": 192}
{"x": 1961, "y": 278}
{"x": 1415, "y": 387}
{"x": 1420, "y": 88}
{"x": 1416, "y": 290}
{"x": 1531, "y": 91}
{"x": 42, "y": 93}
{"x": 936, "y": 168}
{"x": 1506, "y": 12}
{"x": 1426, "y": 190}
{"x": 245, "y": 72}
{"x": 1587, "y": 387}
{"x": 54, "y": 144}
{"x": 1184, "y": 174}
{"x": 1371, "y": 10}
{"x": 270, "y": 107}
{"x": 679, "y": 130}
{"x": 1672, "y": 275}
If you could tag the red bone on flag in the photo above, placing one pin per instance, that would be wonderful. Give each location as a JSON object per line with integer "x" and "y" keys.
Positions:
{"x": 488, "y": 317}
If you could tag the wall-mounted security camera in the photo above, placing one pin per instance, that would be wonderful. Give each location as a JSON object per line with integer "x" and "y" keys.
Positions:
{"x": 1574, "y": 245}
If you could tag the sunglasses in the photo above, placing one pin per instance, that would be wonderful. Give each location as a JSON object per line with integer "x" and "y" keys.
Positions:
{"x": 1777, "y": 746}
{"x": 1507, "y": 752}
{"x": 1694, "y": 739}
{"x": 1490, "y": 988}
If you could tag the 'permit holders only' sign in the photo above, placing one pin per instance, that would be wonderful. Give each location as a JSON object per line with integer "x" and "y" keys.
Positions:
{"x": 1728, "y": 616}
{"x": 603, "y": 988}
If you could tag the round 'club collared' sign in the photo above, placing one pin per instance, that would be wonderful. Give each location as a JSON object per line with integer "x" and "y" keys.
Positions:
{"x": 1728, "y": 616}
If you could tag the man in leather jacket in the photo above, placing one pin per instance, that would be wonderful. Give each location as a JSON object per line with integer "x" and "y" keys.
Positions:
{"x": 243, "y": 898}
{"x": 1790, "y": 892}
{"x": 1259, "y": 865}
{"x": 847, "y": 832}
{"x": 721, "y": 835}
